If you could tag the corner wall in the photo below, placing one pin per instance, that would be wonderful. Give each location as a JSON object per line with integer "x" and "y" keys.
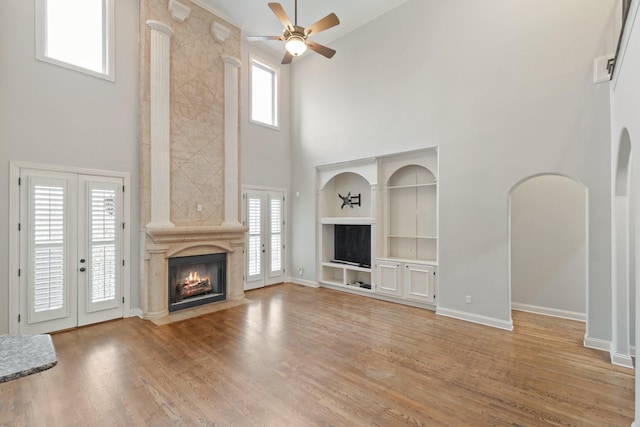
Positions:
{"x": 625, "y": 117}
{"x": 504, "y": 89}
{"x": 57, "y": 116}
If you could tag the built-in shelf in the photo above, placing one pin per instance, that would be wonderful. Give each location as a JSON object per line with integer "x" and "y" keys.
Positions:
{"x": 347, "y": 221}
{"x": 432, "y": 262}
{"x": 395, "y": 236}
{"x": 347, "y": 266}
{"x": 400, "y": 215}
{"x": 429, "y": 184}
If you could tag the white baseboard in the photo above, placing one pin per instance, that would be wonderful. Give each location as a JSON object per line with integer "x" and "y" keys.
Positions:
{"x": 623, "y": 360}
{"x": 597, "y": 344}
{"x": 135, "y": 312}
{"x": 475, "y": 318}
{"x": 303, "y": 282}
{"x": 546, "y": 311}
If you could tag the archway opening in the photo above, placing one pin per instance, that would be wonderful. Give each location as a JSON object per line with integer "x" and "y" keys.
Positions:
{"x": 548, "y": 246}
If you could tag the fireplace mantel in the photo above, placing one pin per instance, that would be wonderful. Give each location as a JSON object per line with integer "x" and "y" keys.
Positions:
{"x": 202, "y": 233}
{"x": 167, "y": 242}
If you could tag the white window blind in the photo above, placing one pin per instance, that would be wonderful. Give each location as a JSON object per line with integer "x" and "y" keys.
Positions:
{"x": 276, "y": 235}
{"x": 103, "y": 245}
{"x": 253, "y": 216}
{"x": 48, "y": 247}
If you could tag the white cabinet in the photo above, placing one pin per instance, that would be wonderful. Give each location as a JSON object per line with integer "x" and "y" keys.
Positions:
{"x": 419, "y": 283}
{"x": 388, "y": 278}
{"x": 406, "y": 280}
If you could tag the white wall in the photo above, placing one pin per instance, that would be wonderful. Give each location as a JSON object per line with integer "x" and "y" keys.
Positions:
{"x": 504, "y": 89}
{"x": 625, "y": 114}
{"x": 56, "y": 116}
{"x": 265, "y": 152}
{"x": 548, "y": 246}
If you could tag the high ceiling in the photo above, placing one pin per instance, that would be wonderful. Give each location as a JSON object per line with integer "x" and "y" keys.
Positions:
{"x": 256, "y": 19}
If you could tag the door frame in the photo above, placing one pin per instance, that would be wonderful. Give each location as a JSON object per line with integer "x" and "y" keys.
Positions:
{"x": 14, "y": 235}
{"x": 285, "y": 234}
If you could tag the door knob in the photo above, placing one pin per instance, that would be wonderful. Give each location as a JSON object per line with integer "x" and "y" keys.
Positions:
{"x": 82, "y": 269}
{"x": 82, "y": 261}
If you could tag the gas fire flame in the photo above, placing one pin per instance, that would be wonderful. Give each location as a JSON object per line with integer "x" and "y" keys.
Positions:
{"x": 194, "y": 278}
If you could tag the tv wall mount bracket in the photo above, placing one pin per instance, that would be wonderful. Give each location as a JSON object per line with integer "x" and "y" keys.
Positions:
{"x": 349, "y": 200}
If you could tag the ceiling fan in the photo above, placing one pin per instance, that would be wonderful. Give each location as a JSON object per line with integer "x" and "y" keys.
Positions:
{"x": 296, "y": 37}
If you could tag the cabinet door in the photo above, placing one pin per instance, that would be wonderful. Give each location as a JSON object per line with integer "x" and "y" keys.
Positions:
{"x": 419, "y": 283}
{"x": 388, "y": 278}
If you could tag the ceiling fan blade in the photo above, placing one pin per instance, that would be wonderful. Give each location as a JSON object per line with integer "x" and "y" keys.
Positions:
{"x": 280, "y": 14}
{"x": 287, "y": 58}
{"x": 331, "y": 20}
{"x": 258, "y": 38}
{"x": 322, "y": 50}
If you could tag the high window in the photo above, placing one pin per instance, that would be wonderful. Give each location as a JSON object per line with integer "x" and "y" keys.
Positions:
{"x": 76, "y": 34}
{"x": 264, "y": 93}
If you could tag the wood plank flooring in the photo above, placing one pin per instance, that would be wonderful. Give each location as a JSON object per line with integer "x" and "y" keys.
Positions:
{"x": 298, "y": 356}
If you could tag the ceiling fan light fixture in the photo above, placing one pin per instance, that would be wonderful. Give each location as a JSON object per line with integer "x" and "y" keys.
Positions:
{"x": 296, "y": 45}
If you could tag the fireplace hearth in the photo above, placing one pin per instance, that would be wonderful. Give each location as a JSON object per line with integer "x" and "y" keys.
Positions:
{"x": 197, "y": 280}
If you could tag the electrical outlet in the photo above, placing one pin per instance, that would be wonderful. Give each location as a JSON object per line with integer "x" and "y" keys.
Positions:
{"x": 300, "y": 271}
{"x": 468, "y": 299}
{"x": 199, "y": 207}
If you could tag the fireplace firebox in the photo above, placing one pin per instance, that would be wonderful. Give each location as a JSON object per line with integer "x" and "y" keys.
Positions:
{"x": 197, "y": 280}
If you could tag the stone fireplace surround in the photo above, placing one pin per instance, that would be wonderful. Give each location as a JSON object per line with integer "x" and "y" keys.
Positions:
{"x": 169, "y": 242}
{"x": 161, "y": 77}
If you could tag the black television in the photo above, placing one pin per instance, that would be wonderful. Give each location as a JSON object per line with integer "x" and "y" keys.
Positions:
{"x": 352, "y": 244}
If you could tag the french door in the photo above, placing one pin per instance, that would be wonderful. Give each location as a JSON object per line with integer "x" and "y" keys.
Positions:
{"x": 265, "y": 244}
{"x": 71, "y": 250}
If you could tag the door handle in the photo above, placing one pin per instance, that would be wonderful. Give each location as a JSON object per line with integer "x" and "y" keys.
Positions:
{"x": 82, "y": 261}
{"x": 82, "y": 269}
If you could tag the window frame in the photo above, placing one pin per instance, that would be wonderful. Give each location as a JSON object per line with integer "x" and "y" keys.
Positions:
{"x": 275, "y": 101}
{"x": 108, "y": 41}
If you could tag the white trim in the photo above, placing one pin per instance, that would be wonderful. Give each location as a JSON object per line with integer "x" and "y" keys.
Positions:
{"x": 135, "y": 312}
{"x": 248, "y": 285}
{"x": 179, "y": 11}
{"x": 475, "y": 318}
{"x": 597, "y": 344}
{"x": 14, "y": 238}
{"x": 275, "y": 70}
{"x": 547, "y": 311}
{"x": 303, "y": 282}
{"x": 623, "y": 360}
{"x": 209, "y": 8}
{"x": 624, "y": 43}
{"x": 109, "y": 41}
{"x": 220, "y": 32}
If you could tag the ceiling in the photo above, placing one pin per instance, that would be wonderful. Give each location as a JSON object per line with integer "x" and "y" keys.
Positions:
{"x": 255, "y": 18}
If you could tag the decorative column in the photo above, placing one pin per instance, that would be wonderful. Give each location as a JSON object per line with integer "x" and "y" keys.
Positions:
{"x": 231, "y": 172}
{"x": 160, "y": 130}
{"x": 155, "y": 302}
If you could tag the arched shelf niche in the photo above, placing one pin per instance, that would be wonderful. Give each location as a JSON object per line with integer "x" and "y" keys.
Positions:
{"x": 411, "y": 227}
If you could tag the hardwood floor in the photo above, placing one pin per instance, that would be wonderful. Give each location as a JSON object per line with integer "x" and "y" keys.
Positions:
{"x": 299, "y": 356}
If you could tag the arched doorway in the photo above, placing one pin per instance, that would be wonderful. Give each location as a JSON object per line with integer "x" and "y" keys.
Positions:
{"x": 548, "y": 246}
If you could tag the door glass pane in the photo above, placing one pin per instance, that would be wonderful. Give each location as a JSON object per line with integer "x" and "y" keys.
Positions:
{"x": 48, "y": 247}
{"x": 253, "y": 217}
{"x": 276, "y": 235}
{"x": 103, "y": 244}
